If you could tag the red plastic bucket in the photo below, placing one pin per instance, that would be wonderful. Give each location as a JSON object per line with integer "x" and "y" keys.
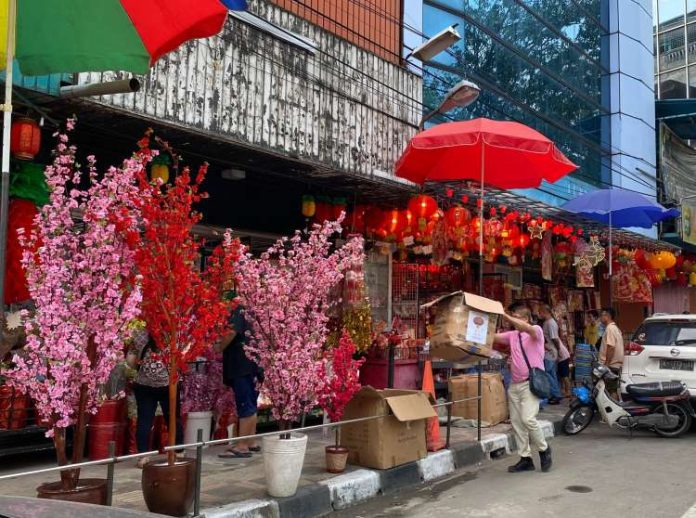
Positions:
{"x": 99, "y": 437}
{"x": 110, "y": 411}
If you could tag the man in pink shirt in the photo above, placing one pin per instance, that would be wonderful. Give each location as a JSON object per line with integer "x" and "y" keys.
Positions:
{"x": 524, "y": 406}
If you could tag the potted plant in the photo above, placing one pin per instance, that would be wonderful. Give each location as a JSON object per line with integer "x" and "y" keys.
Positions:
{"x": 339, "y": 375}
{"x": 184, "y": 306}
{"x": 197, "y": 401}
{"x": 286, "y": 293}
{"x": 81, "y": 277}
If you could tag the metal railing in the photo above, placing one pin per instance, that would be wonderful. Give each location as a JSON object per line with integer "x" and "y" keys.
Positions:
{"x": 111, "y": 461}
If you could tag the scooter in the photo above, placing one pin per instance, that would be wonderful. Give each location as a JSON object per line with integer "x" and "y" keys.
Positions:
{"x": 663, "y": 407}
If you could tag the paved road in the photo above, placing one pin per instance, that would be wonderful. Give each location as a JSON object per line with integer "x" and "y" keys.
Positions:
{"x": 601, "y": 472}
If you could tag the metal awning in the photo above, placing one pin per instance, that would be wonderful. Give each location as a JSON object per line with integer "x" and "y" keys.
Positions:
{"x": 679, "y": 115}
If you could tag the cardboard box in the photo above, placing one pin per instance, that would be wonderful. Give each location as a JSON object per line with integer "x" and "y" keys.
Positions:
{"x": 494, "y": 408}
{"x": 464, "y": 326}
{"x": 396, "y": 438}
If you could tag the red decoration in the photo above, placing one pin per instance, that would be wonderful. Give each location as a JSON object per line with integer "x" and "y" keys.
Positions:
{"x": 449, "y": 192}
{"x": 682, "y": 279}
{"x": 395, "y": 221}
{"x": 457, "y": 216}
{"x": 422, "y": 207}
{"x": 324, "y": 210}
{"x": 25, "y": 139}
{"x": 641, "y": 260}
{"x": 523, "y": 240}
{"x": 339, "y": 206}
{"x": 465, "y": 198}
{"x": 20, "y": 216}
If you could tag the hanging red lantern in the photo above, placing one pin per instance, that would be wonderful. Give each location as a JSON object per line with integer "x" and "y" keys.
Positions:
{"x": 671, "y": 274}
{"x": 357, "y": 221}
{"x": 457, "y": 216}
{"x": 523, "y": 240}
{"x": 641, "y": 259}
{"x": 25, "y": 138}
{"x": 422, "y": 207}
{"x": 394, "y": 221}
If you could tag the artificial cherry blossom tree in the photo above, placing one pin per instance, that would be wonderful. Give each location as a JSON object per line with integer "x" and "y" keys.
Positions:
{"x": 339, "y": 379}
{"x": 81, "y": 277}
{"x": 185, "y": 307}
{"x": 286, "y": 293}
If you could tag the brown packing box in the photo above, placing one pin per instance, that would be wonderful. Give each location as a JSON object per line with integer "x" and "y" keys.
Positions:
{"x": 494, "y": 407}
{"x": 464, "y": 326}
{"x": 396, "y": 438}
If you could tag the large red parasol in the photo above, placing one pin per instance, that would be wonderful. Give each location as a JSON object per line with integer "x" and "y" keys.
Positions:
{"x": 502, "y": 154}
{"x": 509, "y": 155}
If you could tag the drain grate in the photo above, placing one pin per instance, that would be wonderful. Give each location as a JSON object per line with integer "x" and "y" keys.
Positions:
{"x": 579, "y": 489}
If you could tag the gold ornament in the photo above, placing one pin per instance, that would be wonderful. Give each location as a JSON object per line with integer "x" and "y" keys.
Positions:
{"x": 536, "y": 231}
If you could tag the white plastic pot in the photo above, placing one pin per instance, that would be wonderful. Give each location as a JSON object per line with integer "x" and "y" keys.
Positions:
{"x": 282, "y": 461}
{"x": 196, "y": 421}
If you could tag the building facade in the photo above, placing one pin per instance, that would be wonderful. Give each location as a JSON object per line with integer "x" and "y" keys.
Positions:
{"x": 674, "y": 32}
{"x": 555, "y": 66}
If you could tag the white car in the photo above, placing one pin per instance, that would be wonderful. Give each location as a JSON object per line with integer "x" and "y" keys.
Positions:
{"x": 663, "y": 349}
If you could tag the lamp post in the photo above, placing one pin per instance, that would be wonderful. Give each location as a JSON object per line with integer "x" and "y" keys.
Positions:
{"x": 459, "y": 96}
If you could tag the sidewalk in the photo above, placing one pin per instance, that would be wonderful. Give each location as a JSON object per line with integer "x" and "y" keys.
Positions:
{"x": 230, "y": 486}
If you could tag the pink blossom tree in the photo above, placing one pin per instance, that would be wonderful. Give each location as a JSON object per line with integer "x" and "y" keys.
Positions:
{"x": 83, "y": 283}
{"x": 286, "y": 293}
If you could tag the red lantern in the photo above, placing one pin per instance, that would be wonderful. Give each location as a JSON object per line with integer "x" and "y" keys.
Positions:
{"x": 374, "y": 217}
{"x": 324, "y": 210}
{"x": 25, "y": 139}
{"x": 671, "y": 273}
{"x": 394, "y": 221}
{"x": 641, "y": 260}
{"x": 422, "y": 206}
{"x": 654, "y": 278}
{"x": 457, "y": 216}
{"x": 523, "y": 240}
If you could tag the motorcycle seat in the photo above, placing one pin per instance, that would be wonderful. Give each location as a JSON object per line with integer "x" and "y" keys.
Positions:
{"x": 655, "y": 389}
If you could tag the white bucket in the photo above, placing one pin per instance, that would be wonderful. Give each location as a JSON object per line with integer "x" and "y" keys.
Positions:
{"x": 282, "y": 461}
{"x": 196, "y": 421}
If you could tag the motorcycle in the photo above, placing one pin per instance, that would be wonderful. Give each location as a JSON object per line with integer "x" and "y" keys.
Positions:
{"x": 663, "y": 407}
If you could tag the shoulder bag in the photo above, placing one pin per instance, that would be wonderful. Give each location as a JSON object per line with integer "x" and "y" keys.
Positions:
{"x": 538, "y": 378}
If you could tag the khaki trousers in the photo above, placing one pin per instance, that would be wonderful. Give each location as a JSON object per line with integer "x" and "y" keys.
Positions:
{"x": 524, "y": 407}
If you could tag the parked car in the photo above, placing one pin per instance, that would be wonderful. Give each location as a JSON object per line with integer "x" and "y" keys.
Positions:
{"x": 663, "y": 349}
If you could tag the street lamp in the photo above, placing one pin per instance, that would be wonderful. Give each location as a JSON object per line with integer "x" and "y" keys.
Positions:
{"x": 438, "y": 43}
{"x": 459, "y": 96}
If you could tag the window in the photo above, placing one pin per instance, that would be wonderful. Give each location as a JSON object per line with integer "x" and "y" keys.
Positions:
{"x": 673, "y": 84}
{"x": 665, "y": 333}
{"x": 671, "y": 49}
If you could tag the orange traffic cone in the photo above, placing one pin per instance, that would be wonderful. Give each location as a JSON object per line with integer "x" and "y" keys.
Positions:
{"x": 433, "y": 440}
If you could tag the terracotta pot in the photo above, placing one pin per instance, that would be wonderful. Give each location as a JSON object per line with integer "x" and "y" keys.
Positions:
{"x": 88, "y": 491}
{"x": 336, "y": 458}
{"x": 168, "y": 489}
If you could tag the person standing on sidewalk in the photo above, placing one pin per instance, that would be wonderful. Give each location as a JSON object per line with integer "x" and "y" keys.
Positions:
{"x": 151, "y": 388}
{"x": 524, "y": 406}
{"x": 554, "y": 353}
{"x": 611, "y": 352}
{"x": 242, "y": 375}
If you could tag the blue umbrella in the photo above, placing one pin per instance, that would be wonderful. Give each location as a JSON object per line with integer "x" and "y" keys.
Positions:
{"x": 619, "y": 208}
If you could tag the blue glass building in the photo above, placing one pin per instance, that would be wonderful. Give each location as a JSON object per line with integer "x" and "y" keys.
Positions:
{"x": 548, "y": 64}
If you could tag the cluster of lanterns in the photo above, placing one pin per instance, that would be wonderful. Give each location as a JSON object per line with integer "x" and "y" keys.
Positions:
{"x": 663, "y": 266}
{"x": 507, "y": 233}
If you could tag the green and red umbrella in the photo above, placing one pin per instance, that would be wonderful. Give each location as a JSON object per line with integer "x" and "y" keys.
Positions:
{"x": 96, "y": 35}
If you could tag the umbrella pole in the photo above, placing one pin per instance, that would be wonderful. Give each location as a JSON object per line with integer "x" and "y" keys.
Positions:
{"x": 483, "y": 169}
{"x": 611, "y": 261}
{"x": 5, "y": 173}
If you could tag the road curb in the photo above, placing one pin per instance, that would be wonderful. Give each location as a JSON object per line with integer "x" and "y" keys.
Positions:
{"x": 349, "y": 489}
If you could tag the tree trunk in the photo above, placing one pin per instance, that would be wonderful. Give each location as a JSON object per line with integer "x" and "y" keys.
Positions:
{"x": 285, "y": 425}
{"x": 78, "y": 453}
{"x": 338, "y": 436}
{"x": 171, "y": 426}
{"x": 68, "y": 477}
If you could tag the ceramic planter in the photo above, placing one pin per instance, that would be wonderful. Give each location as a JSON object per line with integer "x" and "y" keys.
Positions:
{"x": 282, "y": 461}
{"x": 168, "y": 489}
{"x": 88, "y": 491}
{"x": 196, "y": 421}
{"x": 336, "y": 458}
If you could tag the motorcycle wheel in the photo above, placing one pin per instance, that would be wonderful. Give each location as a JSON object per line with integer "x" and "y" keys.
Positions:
{"x": 577, "y": 419}
{"x": 684, "y": 421}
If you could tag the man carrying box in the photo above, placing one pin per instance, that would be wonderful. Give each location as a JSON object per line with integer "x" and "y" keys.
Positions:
{"x": 524, "y": 406}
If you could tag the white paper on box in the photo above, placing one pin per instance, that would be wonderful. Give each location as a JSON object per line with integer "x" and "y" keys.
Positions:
{"x": 477, "y": 327}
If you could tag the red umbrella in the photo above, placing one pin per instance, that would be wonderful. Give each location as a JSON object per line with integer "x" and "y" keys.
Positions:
{"x": 506, "y": 155}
